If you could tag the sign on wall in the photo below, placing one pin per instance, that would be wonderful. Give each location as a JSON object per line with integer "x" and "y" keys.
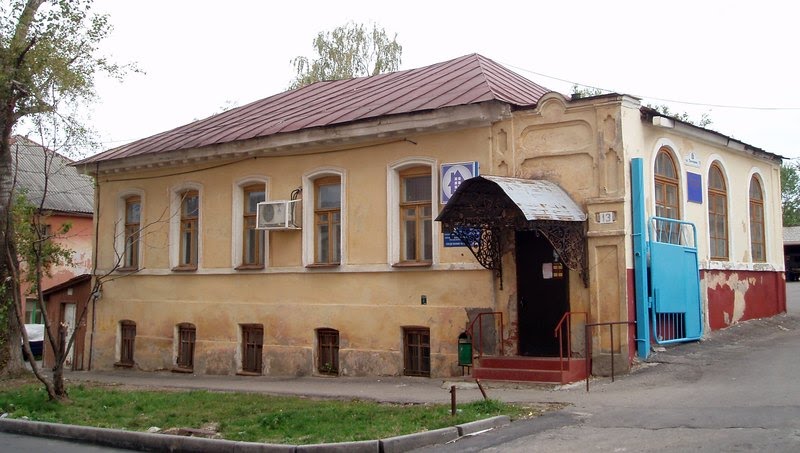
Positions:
{"x": 694, "y": 184}
{"x": 453, "y": 175}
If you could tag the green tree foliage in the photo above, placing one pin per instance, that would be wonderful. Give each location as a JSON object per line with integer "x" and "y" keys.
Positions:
{"x": 585, "y": 91}
{"x": 705, "y": 118}
{"x": 48, "y": 62}
{"x": 349, "y": 51}
{"x": 37, "y": 251}
{"x": 790, "y": 193}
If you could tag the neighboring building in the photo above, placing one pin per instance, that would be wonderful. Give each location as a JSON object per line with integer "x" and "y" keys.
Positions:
{"x": 791, "y": 252}
{"x": 363, "y": 280}
{"x": 69, "y": 199}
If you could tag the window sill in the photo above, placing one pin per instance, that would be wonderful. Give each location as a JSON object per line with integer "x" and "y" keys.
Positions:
{"x": 322, "y": 265}
{"x": 178, "y": 369}
{"x": 123, "y": 365}
{"x": 413, "y": 264}
{"x": 247, "y": 373}
{"x": 184, "y": 269}
{"x": 127, "y": 269}
{"x": 250, "y": 267}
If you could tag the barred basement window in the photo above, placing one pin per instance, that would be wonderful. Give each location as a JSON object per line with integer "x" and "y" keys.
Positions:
{"x": 252, "y": 346}
{"x": 328, "y": 351}
{"x": 127, "y": 337}
{"x": 186, "y": 336}
{"x": 417, "y": 349}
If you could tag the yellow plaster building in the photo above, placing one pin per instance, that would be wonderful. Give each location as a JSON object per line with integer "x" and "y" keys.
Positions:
{"x": 360, "y": 278}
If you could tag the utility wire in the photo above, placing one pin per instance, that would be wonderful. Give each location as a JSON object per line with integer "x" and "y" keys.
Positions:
{"x": 701, "y": 104}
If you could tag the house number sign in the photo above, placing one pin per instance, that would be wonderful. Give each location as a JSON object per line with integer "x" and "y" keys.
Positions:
{"x": 606, "y": 217}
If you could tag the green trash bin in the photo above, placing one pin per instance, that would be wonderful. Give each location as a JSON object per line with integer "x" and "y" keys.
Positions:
{"x": 464, "y": 350}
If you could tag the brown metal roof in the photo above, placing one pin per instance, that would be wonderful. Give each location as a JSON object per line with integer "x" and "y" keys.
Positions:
{"x": 466, "y": 80}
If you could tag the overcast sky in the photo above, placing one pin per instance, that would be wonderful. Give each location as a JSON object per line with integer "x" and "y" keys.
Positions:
{"x": 737, "y": 61}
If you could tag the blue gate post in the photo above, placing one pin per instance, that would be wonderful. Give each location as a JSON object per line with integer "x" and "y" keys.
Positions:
{"x": 639, "y": 222}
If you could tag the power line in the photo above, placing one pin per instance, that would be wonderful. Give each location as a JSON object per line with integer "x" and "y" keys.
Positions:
{"x": 700, "y": 104}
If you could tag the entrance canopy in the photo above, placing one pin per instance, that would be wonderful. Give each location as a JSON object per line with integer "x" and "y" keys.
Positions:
{"x": 485, "y": 207}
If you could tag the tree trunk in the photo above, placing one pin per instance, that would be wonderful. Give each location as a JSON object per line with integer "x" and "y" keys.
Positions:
{"x": 10, "y": 339}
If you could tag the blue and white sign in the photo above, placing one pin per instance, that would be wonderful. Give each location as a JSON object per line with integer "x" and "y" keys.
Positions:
{"x": 452, "y": 240}
{"x": 453, "y": 175}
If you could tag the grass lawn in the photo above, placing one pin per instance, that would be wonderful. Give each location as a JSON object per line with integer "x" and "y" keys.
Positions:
{"x": 244, "y": 416}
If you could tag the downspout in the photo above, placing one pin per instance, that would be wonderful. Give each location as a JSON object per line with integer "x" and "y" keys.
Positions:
{"x": 94, "y": 257}
{"x": 640, "y": 258}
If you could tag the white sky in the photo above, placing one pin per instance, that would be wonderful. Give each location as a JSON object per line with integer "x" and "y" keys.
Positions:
{"x": 201, "y": 55}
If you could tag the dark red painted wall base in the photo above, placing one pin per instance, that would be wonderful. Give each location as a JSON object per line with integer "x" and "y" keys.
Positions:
{"x": 764, "y": 295}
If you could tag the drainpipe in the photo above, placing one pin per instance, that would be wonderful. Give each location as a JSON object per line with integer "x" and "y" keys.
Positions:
{"x": 640, "y": 258}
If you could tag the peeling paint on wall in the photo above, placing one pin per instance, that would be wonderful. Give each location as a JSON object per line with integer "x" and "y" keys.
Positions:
{"x": 736, "y": 296}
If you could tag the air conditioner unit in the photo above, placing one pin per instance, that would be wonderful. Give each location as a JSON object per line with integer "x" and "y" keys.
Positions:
{"x": 277, "y": 215}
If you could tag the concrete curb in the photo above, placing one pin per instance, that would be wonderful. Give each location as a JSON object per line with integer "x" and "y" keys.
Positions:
{"x": 418, "y": 440}
{"x": 483, "y": 425}
{"x": 140, "y": 441}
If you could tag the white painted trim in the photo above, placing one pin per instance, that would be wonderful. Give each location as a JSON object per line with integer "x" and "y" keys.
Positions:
{"x": 352, "y": 268}
{"x": 682, "y": 184}
{"x": 175, "y": 221}
{"x": 728, "y": 197}
{"x": 237, "y": 208}
{"x": 309, "y": 201}
{"x": 393, "y": 202}
{"x": 755, "y": 171}
{"x": 119, "y": 227}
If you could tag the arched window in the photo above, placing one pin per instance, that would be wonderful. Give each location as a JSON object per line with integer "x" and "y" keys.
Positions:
{"x": 757, "y": 241}
{"x": 717, "y": 214}
{"x": 666, "y": 186}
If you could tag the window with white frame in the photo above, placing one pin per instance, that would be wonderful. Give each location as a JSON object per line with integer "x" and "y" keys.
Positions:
{"x": 128, "y": 230}
{"x": 412, "y": 206}
{"x": 249, "y": 245}
{"x": 758, "y": 248}
{"x": 717, "y": 213}
{"x": 324, "y": 213}
{"x": 185, "y": 228}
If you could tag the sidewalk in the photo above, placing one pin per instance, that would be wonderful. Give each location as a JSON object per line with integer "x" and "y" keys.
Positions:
{"x": 382, "y": 389}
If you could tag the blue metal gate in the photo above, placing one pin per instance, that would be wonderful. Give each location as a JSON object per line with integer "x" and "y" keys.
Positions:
{"x": 676, "y": 314}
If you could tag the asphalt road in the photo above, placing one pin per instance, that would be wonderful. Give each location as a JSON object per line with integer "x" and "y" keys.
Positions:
{"x": 737, "y": 391}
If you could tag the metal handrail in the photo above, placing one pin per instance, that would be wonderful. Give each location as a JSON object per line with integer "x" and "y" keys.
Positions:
{"x": 471, "y": 329}
{"x": 610, "y": 325}
{"x": 559, "y": 332}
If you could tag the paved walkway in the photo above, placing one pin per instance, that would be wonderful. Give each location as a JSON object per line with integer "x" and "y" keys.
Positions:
{"x": 383, "y": 389}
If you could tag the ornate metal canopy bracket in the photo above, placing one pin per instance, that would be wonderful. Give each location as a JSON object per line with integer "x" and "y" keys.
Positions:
{"x": 569, "y": 241}
{"x": 484, "y": 243}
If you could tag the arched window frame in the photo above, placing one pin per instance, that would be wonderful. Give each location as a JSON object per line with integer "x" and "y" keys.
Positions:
{"x": 757, "y": 220}
{"x": 719, "y": 244}
{"x": 666, "y": 181}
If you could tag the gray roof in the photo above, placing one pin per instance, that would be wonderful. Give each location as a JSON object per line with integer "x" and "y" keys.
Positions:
{"x": 539, "y": 199}
{"x": 791, "y": 235}
{"x": 67, "y": 190}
